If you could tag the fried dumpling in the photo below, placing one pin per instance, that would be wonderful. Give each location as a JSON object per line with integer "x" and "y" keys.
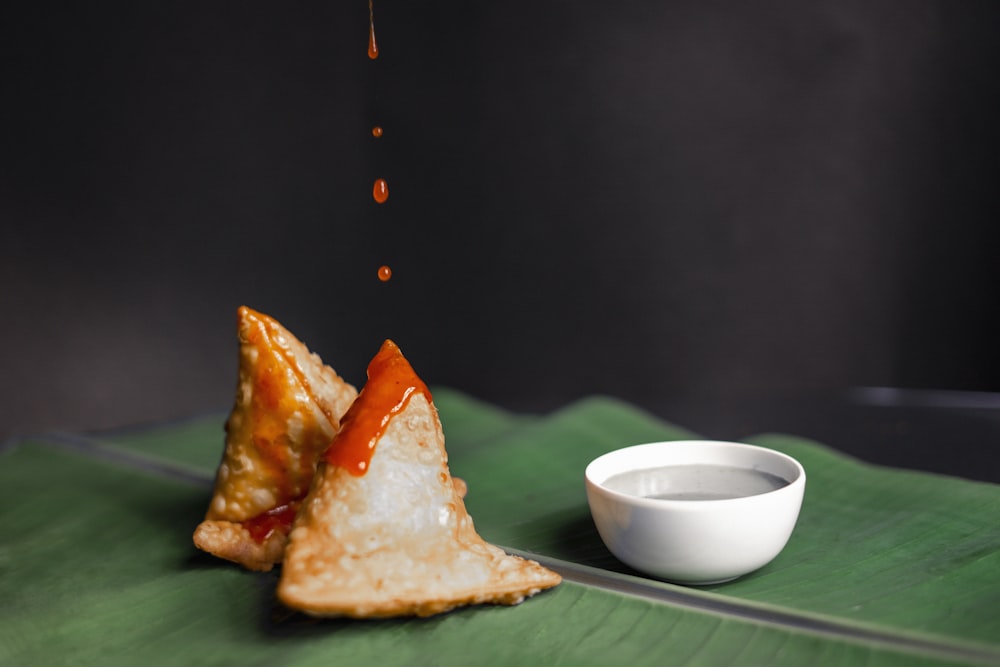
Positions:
{"x": 384, "y": 530}
{"x": 287, "y": 410}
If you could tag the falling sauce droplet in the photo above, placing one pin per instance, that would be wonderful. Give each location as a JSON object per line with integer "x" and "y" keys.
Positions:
{"x": 372, "y": 46}
{"x": 380, "y": 191}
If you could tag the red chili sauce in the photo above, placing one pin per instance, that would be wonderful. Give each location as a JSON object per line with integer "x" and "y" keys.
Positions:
{"x": 391, "y": 383}
{"x": 279, "y": 518}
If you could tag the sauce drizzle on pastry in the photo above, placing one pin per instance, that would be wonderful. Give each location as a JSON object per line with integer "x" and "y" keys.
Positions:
{"x": 391, "y": 384}
{"x": 271, "y": 407}
{"x": 280, "y": 518}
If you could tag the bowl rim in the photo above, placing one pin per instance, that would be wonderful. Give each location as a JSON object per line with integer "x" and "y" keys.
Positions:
{"x": 793, "y": 486}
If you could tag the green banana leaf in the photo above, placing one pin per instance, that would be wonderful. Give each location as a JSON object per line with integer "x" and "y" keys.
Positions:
{"x": 885, "y": 566}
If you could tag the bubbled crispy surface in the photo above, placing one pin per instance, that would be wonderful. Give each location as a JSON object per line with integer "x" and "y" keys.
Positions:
{"x": 233, "y": 542}
{"x": 287, "y": 409}
{"x": 398, "y": 540}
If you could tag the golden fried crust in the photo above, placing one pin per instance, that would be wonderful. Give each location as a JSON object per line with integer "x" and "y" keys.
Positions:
{"x": 232, "y": 541}
{"x": 287, "y": 409}
{"x": 397, "y": 540}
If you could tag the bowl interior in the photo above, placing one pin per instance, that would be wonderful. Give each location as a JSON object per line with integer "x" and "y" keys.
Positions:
{"x": 693, "y": 471}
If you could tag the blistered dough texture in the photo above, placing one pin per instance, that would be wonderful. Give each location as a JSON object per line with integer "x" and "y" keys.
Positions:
{"x": 398, "y": 539}
{"x": 287, "y": 410}
{"x": 232, "y": 541}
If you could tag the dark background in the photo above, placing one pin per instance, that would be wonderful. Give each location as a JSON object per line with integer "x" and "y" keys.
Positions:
{"x": 676, "y": 203}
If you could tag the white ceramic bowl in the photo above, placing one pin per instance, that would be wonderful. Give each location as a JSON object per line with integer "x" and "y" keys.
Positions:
{"x": 694, "y": 541}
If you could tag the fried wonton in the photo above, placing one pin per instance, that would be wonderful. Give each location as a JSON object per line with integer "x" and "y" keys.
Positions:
{"x": 384, "y": 531}
{"x": 287, "y": 410}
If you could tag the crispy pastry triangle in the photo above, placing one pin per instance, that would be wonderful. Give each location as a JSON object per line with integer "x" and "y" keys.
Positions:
{"x": 287, "y": 410}
{"x": 384, "y": 531}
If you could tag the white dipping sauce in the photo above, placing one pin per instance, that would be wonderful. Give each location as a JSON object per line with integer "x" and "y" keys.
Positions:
{"x": 695, "y": 482}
